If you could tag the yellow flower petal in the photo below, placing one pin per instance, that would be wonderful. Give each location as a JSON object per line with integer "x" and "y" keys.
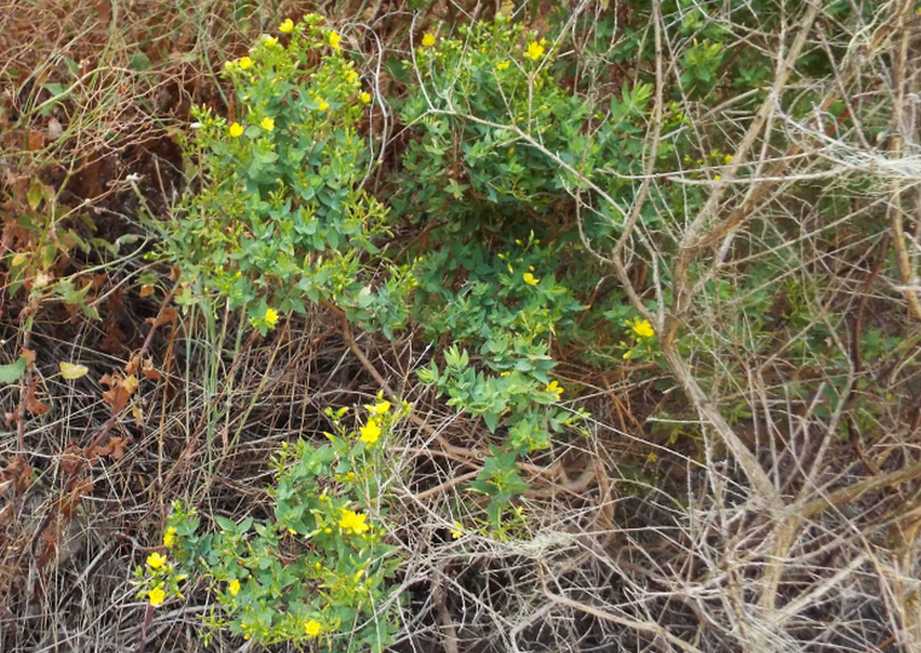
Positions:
{"x": 643, "y": 328}
{"x": 428, "y": 40}
{"x": 233, "y": 587}
{"x": 156, "y": 560}
{"x": 380, "y": 408}
{"x": 156, "y": 596}
{"x": 267, "y": 124}
{"x": 313, "y": 628}
{"x": 350, "y": 521}
{"x": 370, "y": 432}
{"x": 535, "y": 51}
{"x": 245, "y": 63}
{"x": 287, "y": 26}
{"x": 530, "y": 279}
{"x": 235, "y": 130}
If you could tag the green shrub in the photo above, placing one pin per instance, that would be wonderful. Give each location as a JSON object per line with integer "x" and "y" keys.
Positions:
{"x": 279, "y": 218}
{"x": 317, "y": 572}
{"x": 500, "y": 146}
{"x": 493, "y": 76}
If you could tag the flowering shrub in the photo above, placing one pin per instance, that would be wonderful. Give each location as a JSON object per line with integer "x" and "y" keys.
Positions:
{"x": 497, "y": 145}
{"x": 467, "y": 163}
{"x": 279, "y": 218}
{"x": 508, "y": 314}
{"x": 491, "y": 277}
{"x": 317, "y": 572}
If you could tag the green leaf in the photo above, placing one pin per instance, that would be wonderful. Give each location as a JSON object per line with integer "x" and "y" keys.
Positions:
{"x": 34, "y": 194}
{"x": 139, "y": 61}
{"x": 11, "y": 373}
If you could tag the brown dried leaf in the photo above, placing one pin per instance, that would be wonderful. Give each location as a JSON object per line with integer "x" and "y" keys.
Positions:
{"x": 166, "y": 316}
{"x": 32, "y": 403}
{"x": 71, "y": 460}
{"x": 117, "y": 447}
{"x": 149, "y": 371}
{"x": 117, "y": 398}
{"x": 19, "y": 473}
{"x": 114, "y": 449}
{"x": 36, "y": 140}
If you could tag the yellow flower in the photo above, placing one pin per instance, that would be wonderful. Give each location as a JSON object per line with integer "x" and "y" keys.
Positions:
{"x": 643, "y": 328}
{"x": 169, "y": 537}
{"x": 530, "y": 279}
{"x": 535, "y": 51}
{"x": 271, "y": 316}
{"x": 245, "y": 63}
{"x": 267, "y": 124}
{"x": 365, "y": 97}
{"x": 235, "y": 130}
{"x": 428, "y": 40}
{"x": 352, "y": 76}
{"x": 555, "y": 388}
{"x": 727, "y": 159}
{"x": 313, "y": 628}
{"x": 156, "y": 560}
{"x": 233, "y": 587}
{"x": 370, "y": 432}
{"x": 270, "y": 41}
{"x": 502, "y": 65}
{"x": 287, "y": 26}
{"x": 350, "y": 521}
{"x": 458, "y": 531}
{"x": 156, "y": 596}
{"x": 322, "y": 105}
{"x": 380, "y": 408}
{"x": 334, "y": 40}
